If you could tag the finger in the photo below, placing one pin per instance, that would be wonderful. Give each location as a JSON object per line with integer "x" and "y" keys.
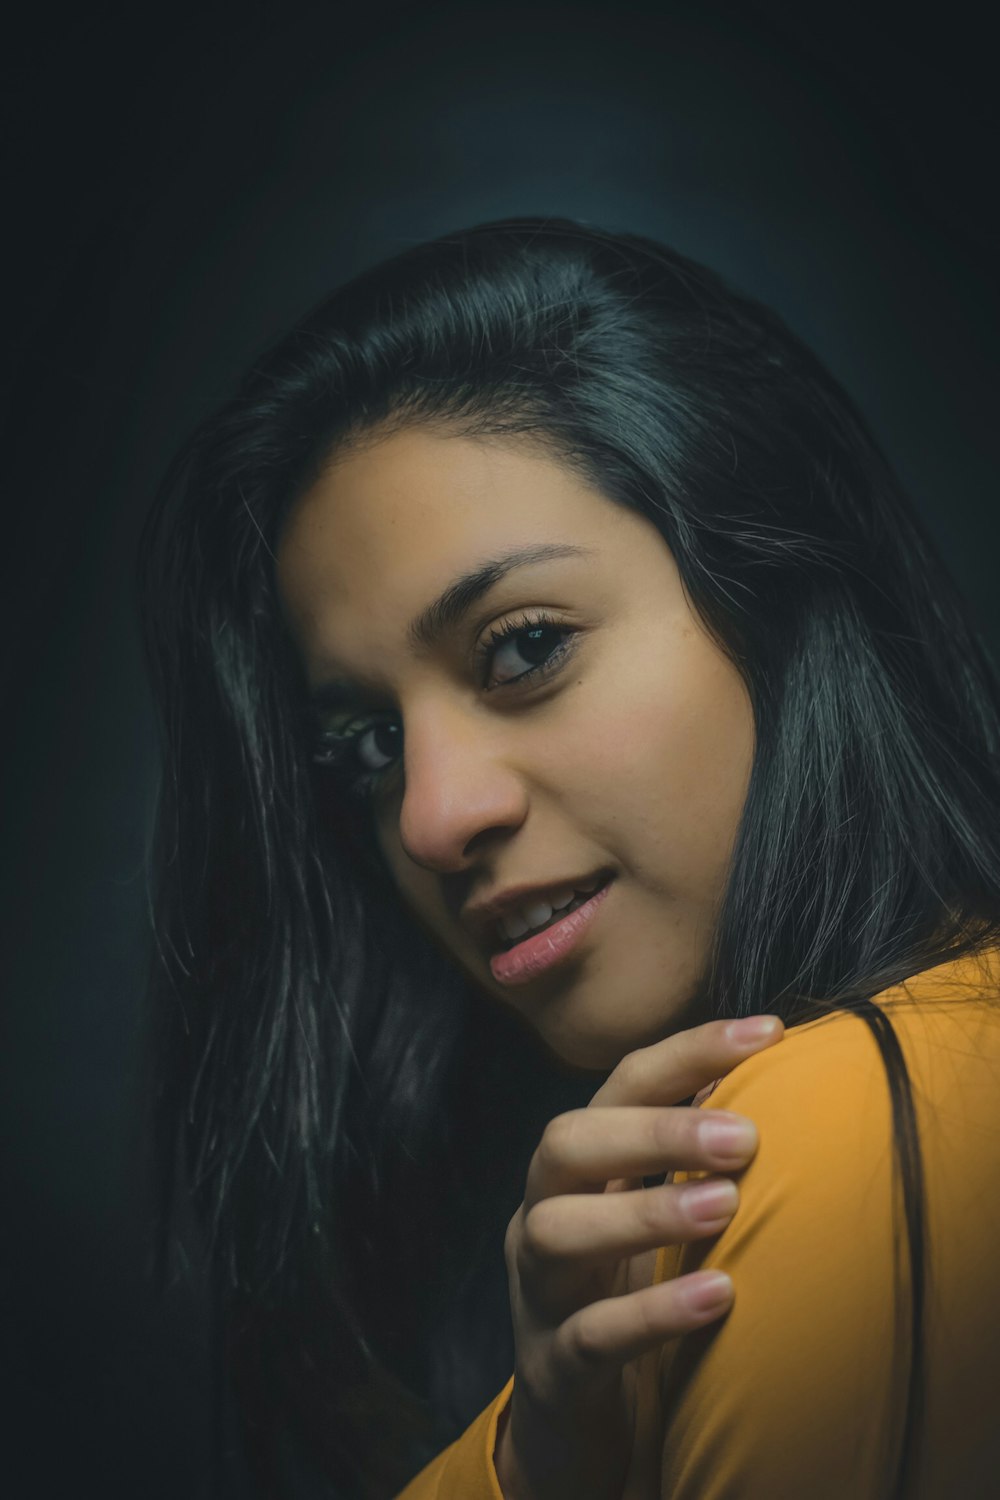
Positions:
{"x": 680, "y": 1065}
{"x": 586, "y": 1229}
{"x": 581, "y": 1150}
{"x": 603, "y": 1336}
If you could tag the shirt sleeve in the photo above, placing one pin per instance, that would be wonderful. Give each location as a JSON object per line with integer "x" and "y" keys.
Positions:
{"x": 465, "y": 1470}
{"x": 800, "y": 1390}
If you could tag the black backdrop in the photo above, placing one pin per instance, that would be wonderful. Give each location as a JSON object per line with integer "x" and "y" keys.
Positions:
{"x": 180, "y": 184}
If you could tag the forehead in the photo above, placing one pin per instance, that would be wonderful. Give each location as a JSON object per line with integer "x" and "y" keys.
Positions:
{"x": 391, "y": 523}
{"x": 425, "y": 490}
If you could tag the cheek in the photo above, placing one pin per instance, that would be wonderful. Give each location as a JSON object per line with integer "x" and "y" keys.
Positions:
{"x": 660, "y": 755}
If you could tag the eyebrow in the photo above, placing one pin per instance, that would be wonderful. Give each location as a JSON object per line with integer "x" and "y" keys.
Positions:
{"x": 453, "y": 604}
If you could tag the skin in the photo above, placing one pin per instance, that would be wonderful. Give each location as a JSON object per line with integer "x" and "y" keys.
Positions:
{"x": 632, "y": 756}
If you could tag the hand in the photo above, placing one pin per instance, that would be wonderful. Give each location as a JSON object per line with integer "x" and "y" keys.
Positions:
{"x": 568, "y": 1248}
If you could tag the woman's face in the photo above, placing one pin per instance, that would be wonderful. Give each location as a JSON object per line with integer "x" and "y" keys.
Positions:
{"x": 596, "y": 756}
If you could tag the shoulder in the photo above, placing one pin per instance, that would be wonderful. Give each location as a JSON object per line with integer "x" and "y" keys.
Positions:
{"x": 799, "y": 1389}
{"x": 823, "y": 1102}
{"x": 830, "y": 1070}
{"x": 793, "y": 1080}
{"x": 823, "y": 1110}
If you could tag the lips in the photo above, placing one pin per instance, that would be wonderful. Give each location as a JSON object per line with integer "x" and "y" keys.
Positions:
{"x": 531, "y": 956}
{"x": 534, "y": 916}
{"x": 515, "y": 913}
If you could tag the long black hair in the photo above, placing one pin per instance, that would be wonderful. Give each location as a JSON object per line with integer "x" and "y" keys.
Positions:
{"x": 351, "y": 1121}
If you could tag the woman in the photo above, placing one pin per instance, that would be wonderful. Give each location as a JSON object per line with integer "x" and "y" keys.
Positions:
{"x": 552, "y": 674}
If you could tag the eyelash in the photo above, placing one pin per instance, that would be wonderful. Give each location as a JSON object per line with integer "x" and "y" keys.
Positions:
{"x": 336, "y": 751}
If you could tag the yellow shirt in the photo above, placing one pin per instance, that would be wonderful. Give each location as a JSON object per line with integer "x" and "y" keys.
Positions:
{"x": 800, "y": 1390}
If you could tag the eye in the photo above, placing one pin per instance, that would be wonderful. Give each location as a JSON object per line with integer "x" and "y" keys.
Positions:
{"x": 522, "y": 648}
{"x": 378, "y": 745}
{"x": 362, "y": 750}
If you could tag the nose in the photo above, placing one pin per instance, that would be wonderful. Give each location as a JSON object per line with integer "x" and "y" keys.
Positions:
{"x": 459, "y": 789}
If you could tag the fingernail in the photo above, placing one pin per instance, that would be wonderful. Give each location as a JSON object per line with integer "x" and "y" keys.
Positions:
{"x": 727, "y": 1135}
{"x": 710, "y": 1289}
{"x": 751, "y": 1029}
{"x": 710, "y": 1200}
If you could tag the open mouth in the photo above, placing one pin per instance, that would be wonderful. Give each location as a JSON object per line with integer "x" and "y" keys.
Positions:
{"x": 515, "y": 929}
{"x": 555, "y": 935}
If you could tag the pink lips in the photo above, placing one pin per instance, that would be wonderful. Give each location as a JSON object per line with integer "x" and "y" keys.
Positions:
{"x": 522, "y": 962}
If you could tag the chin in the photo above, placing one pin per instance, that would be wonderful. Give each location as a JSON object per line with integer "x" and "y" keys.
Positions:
{"x": 578, "y": 1044}
{"x": 587, "y": 1057}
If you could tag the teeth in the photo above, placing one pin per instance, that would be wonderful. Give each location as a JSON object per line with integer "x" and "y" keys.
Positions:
{"x": 512, "y": 925}
{"x": 537, "y": 913}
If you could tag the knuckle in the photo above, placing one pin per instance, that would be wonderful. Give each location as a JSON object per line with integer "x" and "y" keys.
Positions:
{"x": 652, "y": 1211}
{"x": 694, "y": 1134}
{"x": 675, "y": 1130}
{"x": 631, "y": 1070}
{"x": 665, "y": 1125}
{"x": 710, "y": 1033}
{"x": 708, "y": 1043}
{"x": 560, "y": 1138}
{"x": 543, "y": 1373}
{"x": 538, "y": 1236}
{"x": 513, "y": 1235}
{"x": 647, "y": 1325}
{"x": 585, "y": 1339}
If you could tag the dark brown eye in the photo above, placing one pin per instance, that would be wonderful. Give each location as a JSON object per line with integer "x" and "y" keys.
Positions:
{"x": 525, "y": 649}
{"x": 360, "y": 751}
{"x": 379, "y": 745}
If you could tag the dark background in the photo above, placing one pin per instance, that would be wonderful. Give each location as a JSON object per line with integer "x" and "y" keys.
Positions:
{"x": 180, "y": 185}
